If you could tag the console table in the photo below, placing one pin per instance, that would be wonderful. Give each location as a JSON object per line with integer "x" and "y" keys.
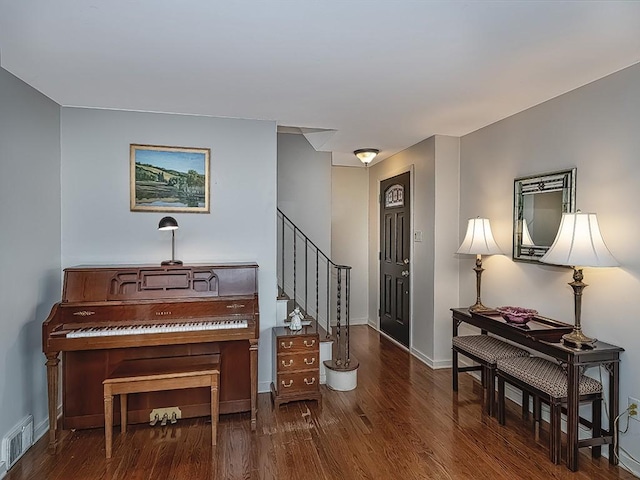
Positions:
{"x": 544, "y": 337}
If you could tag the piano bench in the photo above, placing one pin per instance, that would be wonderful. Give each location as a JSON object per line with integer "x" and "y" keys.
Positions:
{"x": 158, "y": 374}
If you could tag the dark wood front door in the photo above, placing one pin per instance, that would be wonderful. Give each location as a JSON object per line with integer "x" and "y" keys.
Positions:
{"x": 395, "y": 243}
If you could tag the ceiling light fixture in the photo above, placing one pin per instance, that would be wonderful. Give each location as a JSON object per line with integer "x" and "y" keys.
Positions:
{"x": 366, "y": 155}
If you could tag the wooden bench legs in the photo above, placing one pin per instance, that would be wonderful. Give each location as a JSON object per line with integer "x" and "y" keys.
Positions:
{"x": 158, "y": 374}
{"x": 486, "y": 351}
{"x": 590, "y": 391}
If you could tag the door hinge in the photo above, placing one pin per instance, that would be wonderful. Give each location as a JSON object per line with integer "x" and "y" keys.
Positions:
{"x": 379, "y": 255}
{"x": 379, "y": 198}
{"x": 378, "y": 312}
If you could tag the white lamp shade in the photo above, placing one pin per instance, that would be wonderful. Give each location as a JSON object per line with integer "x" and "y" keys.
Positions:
{"x": 366, "y": 155}
{"x": 526, "y": 236}
{"x": 579, "y": 243}
{"x": 479, "y": 239}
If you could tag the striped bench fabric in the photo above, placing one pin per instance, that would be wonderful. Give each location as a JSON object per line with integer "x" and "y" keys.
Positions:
{"x": 486, "y": 351}
{"x": 547, "y": 382}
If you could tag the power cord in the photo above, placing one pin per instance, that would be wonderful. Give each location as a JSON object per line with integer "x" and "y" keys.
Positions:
{"x": 629, "y": 412}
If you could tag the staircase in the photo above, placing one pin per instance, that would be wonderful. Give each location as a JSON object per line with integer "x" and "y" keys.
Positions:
{"x": 310, "y": 280}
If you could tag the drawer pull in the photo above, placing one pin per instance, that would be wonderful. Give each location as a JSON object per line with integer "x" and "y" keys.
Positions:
{"x": 313, "y": 360}
{"x": 290, "y": 383}
{"x": 313, "y": 380}
{"x": 285, "y": 345}
{"x": 288, "y": 364}
{"x": 307, "y": 344}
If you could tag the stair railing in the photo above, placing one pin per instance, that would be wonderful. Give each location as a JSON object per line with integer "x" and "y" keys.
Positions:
{"x": 330, "y": 298}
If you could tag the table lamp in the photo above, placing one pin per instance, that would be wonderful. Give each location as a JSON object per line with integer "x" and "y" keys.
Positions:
{"x": 578, "y": 244}
{"x": 479, "y": 241}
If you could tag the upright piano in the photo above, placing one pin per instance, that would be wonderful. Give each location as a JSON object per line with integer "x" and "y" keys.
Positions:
{"x": 113, "y": 313}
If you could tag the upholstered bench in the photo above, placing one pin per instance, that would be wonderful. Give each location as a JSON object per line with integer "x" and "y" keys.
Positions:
{"x": 158, "y": 374}
{"x": 547, "y": 381}
{"x": 485, "y": 351}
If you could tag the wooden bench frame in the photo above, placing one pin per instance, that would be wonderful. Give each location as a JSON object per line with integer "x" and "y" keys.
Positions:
{"x": 157, "y": 374}
{"x": 487, "y": 377}
{"x": 555, "y": 420}
{"x": 487, "y": 374}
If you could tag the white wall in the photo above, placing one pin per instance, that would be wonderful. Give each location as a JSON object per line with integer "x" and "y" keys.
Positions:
{"x": 433, "y": 164}
{"x": 304, "y": 188}
{"x": 29, "y": 246}
{"x": 350, "y": 234}
{"x": 98, "y": 228}
{"x": 596, "y": 129}
{"x": 445, "y": 264}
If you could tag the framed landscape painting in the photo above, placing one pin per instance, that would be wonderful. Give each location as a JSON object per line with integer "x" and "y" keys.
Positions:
{"x": 169, "y": 179}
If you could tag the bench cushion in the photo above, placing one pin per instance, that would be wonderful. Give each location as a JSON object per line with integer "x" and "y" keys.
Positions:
{"x": 546, "y": 376}
{"x": 489, "y": 349}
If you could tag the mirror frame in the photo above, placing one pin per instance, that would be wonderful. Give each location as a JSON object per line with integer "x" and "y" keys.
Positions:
{"x": 564, "y": 180}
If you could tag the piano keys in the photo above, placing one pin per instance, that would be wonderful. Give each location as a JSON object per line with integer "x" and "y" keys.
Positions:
{"x": 109, "y": 314}
{"x": 141, "y": 329}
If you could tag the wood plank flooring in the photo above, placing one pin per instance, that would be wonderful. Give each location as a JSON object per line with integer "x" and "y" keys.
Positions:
{"x": 402, "y": 422}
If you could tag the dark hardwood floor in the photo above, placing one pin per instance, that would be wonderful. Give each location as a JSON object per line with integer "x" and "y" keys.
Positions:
{"x": 402, "y": 422}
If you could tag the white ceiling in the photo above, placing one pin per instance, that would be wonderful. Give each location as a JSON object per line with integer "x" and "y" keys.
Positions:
{"x": 382, "y": 74}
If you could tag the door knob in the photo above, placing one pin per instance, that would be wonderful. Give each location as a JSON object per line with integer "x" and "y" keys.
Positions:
{"x": 406, "y": 261}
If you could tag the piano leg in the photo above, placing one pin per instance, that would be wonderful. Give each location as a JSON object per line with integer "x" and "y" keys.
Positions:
{"x": 253, "y": 358}
{"x": 53, "y": 361}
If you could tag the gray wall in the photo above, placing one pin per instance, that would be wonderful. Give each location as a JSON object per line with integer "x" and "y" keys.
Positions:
{"x": 433, "y": 164}
{"x": 596, "y": 129}
{"x": 304, "y": 188}
{"x": 350, "y": 234}
{"x": 98, "y": 226}
{"x": 29, "y": 246}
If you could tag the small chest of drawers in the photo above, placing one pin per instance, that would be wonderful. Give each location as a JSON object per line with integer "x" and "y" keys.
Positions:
{"x": 296, "y": 365}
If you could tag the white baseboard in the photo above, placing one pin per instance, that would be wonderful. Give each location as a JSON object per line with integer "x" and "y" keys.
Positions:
{"x": 393, "y": 340}
{"x": 359, "y": 321}
{"x": 626, "y": 463}
{"x": 42, "y": 428}
{"x": 39, "y": 431}
{"x": 430, "y": 362}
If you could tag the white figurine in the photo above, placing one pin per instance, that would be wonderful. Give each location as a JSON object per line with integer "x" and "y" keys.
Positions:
{"x": 296, "y": 319}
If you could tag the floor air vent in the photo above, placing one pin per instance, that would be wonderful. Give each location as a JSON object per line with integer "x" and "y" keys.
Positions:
{"x": 17, "y": 441}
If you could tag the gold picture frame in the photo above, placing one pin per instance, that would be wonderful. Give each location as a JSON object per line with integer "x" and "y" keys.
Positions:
{"x": 169, "y": 179}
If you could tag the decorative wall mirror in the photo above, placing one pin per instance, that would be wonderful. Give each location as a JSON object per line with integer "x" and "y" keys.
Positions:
{"x": 539, "y": 202}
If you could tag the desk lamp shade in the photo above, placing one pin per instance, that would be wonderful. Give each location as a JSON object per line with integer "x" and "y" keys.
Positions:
{"x": 479, "y": 241}
{"x": 579, "y": 243}
{"x": 170, "y": 223}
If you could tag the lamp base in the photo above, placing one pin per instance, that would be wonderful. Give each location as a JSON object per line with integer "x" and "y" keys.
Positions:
{"x": 171, "y": 262}
{"x": 478, "y": 307}
{"x": 577, "y": 339}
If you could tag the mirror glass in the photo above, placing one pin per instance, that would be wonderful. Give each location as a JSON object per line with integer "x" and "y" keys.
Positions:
{"x": 539, "y": 202}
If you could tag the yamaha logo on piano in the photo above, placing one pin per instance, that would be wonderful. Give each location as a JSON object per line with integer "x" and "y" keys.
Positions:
{"x": 159, "y": 314}
{"x": 84, "y": 313}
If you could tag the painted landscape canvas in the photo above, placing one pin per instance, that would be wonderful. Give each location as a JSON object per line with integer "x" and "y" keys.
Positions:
{"x": 169, "y": 179}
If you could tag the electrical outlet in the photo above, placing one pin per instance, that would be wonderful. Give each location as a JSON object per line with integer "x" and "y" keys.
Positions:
{"x": 634, "y": 406}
